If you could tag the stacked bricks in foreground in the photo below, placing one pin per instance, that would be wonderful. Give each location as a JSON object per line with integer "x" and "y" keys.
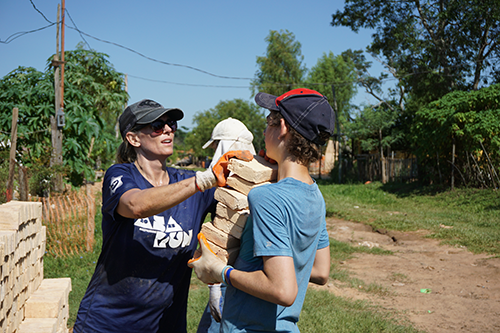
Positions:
{"x": 224, "y": 232}
{"x": 28, "y": 303}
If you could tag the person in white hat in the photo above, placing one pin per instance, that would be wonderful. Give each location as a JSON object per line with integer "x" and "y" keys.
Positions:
{"x": 228, "y": 134}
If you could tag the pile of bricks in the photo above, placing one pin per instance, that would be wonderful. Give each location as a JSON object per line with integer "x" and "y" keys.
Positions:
{"x": 28, "y": 302}
{"x": 224, "y": 232}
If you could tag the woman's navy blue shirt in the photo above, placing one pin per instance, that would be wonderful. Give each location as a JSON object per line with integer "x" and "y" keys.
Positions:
{"x": 141, "y": 280}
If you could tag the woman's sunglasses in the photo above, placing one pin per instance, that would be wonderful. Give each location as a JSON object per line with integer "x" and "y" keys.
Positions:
{"x": 158, "y": 126}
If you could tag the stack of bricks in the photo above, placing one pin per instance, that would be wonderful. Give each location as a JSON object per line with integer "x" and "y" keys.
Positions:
{"x": 224, "y": 232}
{"x": 28, "y": 303}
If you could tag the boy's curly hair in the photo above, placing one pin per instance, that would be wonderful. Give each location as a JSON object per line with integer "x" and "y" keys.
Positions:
{"x": 301, "y": 149}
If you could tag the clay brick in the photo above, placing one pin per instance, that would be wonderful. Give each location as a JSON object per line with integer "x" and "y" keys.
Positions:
{"x": 9, "y": 239}
{"x": 38, "y": 325}
{"x": 231, "y": 198}
{"x": 256, "y": 171}
{"x": 238, "y": 217}
{"x": 56, "y": 284}
{"x": 227, "y": 255}
{"x": 228, "y": 227}
{"x": 219, "y": 237}
{"x": 49, "y": 299}
{"x": 241, "y": 185}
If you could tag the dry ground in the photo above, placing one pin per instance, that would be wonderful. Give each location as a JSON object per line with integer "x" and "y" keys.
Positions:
{"x": 464, "y": 288}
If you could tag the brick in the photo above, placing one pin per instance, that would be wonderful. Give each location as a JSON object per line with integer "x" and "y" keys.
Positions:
{"x": 228, "y": 227}
{"x": 10, "y": 216}
{"x": 219, "y": 237}
{"x": 2, "y": 252}
{"x": 56, "y": 284}
{"x": 38, "y": 325}
{"x": 231, "y": 198}
{"x": 27, "y": 210}
{"x": 241, "y": 185}
{"x": 50, "y": 298}
{"x": 227, "y": 255}
{"x": 238, "y": 217}
{"x": 256, "y": 171}
{"x": 9, "y": 239}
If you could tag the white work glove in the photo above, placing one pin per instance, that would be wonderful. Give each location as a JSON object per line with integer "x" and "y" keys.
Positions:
{"x": 205, "y": 180}
{"x": 208, "y": 267}
{"x": 219, "y": 173}
{"x": 215, "y": 301}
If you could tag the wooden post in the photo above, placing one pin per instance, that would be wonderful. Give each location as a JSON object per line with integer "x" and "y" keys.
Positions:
{"x": 12, "y": 158}
{"x": 90, "y": 218}
{"x": 56, "y": 157}
{"x": 453, "y": 165}
{"x": 23, "y": 183}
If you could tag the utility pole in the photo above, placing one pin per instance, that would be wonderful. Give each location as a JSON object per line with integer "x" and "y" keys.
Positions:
{"x": 57, "y": 122}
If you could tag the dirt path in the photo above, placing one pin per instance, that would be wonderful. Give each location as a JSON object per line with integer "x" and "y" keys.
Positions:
{"x": 464, "y": 288}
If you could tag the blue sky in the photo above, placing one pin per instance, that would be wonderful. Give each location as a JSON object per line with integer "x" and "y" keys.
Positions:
{"x": 223, "y": 38}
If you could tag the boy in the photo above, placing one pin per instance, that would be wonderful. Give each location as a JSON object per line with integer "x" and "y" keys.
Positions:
{"x": 285, "y": 243}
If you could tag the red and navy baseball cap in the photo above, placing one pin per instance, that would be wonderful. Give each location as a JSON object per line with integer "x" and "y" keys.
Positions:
{"x": 306, "y": 110}
{"x": 145, "y": 112}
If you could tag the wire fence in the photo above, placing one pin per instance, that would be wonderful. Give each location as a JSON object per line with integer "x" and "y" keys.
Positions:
{"x": 70, "y": 222}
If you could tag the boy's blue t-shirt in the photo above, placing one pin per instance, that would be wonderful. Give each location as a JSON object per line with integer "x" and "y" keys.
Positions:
{"x": 141, "y": 280}
{"x": 286, "y": 219}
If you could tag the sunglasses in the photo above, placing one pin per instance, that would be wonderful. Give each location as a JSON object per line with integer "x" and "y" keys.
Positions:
{"x": 158, "y": 126}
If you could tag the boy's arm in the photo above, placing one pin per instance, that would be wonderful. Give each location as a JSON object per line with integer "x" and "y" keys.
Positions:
{"x": 321, "y": 267}
{"x": 276, "y": 283}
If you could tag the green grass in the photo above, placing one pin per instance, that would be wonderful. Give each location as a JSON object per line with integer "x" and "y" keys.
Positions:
{"x": 325, "y": 312}
{"x": 474, "y": 215}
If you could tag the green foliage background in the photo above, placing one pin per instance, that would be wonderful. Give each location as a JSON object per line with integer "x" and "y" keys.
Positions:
{"x": 472, "y": 121}
{"x": 94, "y": 97}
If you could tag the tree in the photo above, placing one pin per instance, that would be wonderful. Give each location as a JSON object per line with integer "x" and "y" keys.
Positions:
{"x": 94, "y": 96}
{"x": 281, "y": 69}
{"x": 248, "y": 113}
{"x": 337, "y": 71}
{"x": 374, "y": 128}
{"x": 468, "y": 124}
{"x": 433, "y": 47}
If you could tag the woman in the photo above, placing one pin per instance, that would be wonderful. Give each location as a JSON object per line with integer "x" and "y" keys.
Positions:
{"x": 151, "y": 215}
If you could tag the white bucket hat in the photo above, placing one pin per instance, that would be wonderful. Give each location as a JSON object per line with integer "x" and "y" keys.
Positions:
{"x": 232, "y": 130}
{"x": 232, "y": 134}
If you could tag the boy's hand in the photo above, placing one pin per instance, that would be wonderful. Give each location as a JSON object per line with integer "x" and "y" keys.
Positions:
{"x": 208, "y": 267}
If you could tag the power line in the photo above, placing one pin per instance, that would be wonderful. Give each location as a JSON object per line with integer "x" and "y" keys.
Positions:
{"x": 186, "y": 84}
{"x": 69, "y": 15}
{"x": 19, "y": 34}
{"x": 161, "y": 61}
{"x": 39, "y": 11}
{"x": 22, "y": 33}
{"x": 140, "y": 54}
